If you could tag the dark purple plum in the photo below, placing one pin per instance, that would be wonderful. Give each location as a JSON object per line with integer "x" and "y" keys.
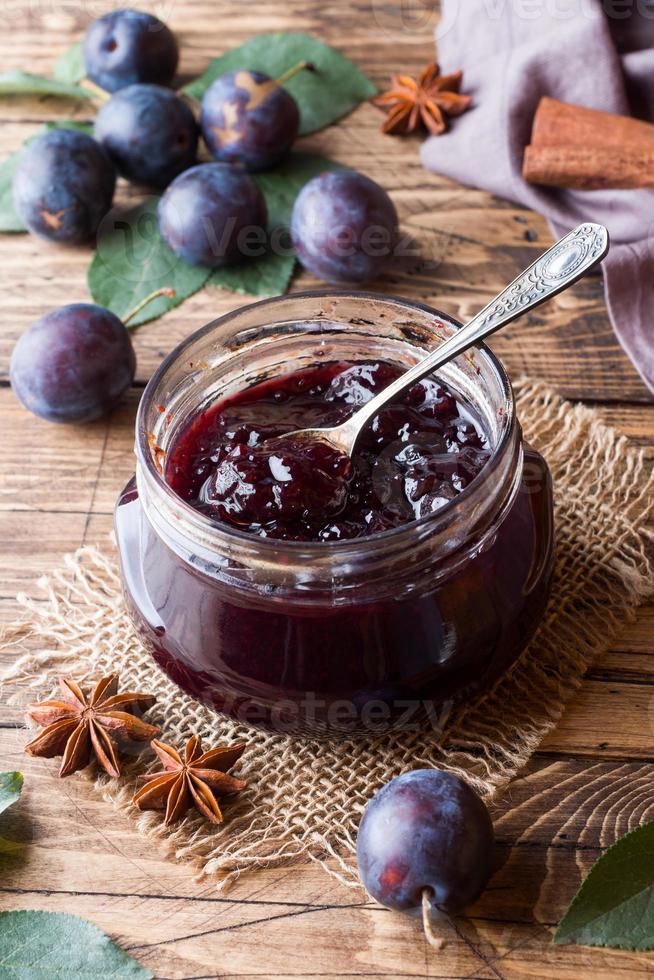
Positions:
{"x": 129, "y": 46}
{"x": 425, "y": 830}
{"x": 248, "y": 118}
{"x": 64, "y": 186}
{"x": 344, "y": 227}
{"x": 149, "y": 132}
{"x": 213, "y": 214}
{"x": 73, "y": 364}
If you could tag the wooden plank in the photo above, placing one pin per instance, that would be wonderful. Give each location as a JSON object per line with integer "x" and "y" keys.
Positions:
{"x": 46, "y": 546}
{"x": 586, "y": 726}
{"x": 46, "y": 468}
{"x": 578, "y": 355}
{"x": 457, "y": 270}
{"x": 551, "y": 826}
{"x": 58, "y": 486}
{"x": 67, "y": 463}
{"x": 80, "y": 511}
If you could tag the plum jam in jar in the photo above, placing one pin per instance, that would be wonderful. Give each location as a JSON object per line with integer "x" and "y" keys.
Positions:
{"x": 332, "y": 597}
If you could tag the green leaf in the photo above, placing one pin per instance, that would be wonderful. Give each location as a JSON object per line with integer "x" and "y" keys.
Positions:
{"x": 615, "y": 904}
{"x": 271, "y": 274}
{"x": 335, "y": 88}
{"x": 132, "y": 260}
{"x": 283, "y": 184}
{"x": 36, "y": 945}
{"x": 69, "y": 66}
{"x": 82, "y": 127}
{"x": 24, "y": 83}
{"x": 265, "y": 276}
{"x": 11, "y": 784}
{"x": 9, "y": 220}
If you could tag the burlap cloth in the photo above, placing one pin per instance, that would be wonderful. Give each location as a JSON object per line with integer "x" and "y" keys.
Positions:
{"x": 305, "y": 798}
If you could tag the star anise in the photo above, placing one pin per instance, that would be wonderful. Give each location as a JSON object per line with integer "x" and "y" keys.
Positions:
{"x": 77, "y": 728}
{"x": 427, "y": 101}
{"x": 193, "y": 780}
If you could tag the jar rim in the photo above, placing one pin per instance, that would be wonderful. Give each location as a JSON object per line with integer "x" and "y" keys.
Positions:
{"x": 203, "y": 523}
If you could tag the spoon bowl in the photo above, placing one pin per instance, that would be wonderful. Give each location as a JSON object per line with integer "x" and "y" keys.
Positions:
{"x": 556, "y": 269}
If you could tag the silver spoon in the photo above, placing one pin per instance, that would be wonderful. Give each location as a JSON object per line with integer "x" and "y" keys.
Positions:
{"x": 554, "y": 271}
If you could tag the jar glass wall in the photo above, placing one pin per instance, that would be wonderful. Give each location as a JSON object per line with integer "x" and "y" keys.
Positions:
{"x": 326, "y": 638}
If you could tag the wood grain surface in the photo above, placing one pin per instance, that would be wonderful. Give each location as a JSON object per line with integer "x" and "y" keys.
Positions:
{"x": 591, "y": 781}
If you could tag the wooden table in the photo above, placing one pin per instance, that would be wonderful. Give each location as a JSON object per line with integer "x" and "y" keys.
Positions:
{"x": 592, "y": 779}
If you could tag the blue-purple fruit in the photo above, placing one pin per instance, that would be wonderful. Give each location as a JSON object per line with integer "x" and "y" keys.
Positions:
{"x": 344, "y": 227}
{"x": 129, "y": 46}
{"x": 149, "y": 132}
{"x": 64, "y": 186}
{"x": 73, "y": 364}
{"x": 425, "y": 830}
{"x": 213, "y": 214}
{"x": 248, "y": 118}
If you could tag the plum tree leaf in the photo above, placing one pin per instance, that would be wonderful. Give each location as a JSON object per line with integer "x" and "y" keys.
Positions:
{"x": 270, "y": 274}
{"x": 25, "y": 83}
{"x": 82, "y": 127}
{"x": 132, "y": 260}
{"x": 615, "y": 904}
{"x": 69, "y": 66}
{"x": 282, "y": 185}
{"x": 9, "y": 220}
{"x": 334, "y": 89}
{"x": 11, "y": 785}
{"x": 34, "y": 945}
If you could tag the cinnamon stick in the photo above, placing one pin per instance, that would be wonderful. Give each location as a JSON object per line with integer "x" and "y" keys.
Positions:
{"x": 589, "y": 169}
{"x": 586, "y": 149}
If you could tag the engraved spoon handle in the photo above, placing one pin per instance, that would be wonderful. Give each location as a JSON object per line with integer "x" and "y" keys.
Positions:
{"x": 554, "y": 271}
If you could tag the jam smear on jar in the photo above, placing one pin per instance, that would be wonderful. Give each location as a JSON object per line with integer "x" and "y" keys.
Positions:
{"x": 411, "y": 460}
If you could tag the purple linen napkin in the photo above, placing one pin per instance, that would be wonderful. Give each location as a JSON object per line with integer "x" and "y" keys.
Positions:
{"x": 582, "y": 51}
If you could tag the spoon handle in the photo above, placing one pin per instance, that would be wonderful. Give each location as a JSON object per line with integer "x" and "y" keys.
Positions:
{"x": 554, "y": 271}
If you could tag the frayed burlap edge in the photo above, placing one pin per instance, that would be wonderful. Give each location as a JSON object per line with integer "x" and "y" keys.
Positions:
{"x": 305, "y": 798}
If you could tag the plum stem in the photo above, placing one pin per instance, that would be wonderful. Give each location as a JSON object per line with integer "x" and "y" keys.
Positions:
{"x": 427, "y": 924}
{"x": 96, "y": 92}
{"x": 292, "y": 72}
{"x": 164, "y": 291}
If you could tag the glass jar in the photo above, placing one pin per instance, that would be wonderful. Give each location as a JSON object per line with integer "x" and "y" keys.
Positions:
{"x": 346, "y": 637}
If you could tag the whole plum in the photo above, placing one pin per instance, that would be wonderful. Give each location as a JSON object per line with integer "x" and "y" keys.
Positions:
{"x": 344, "y": 227}
{"x": 247, "y": 117}
{"x": 213, "y": 214}
{"x": 73, "y": 364}
{"x": 63, "y": 186}
{"x": 149, "y": 132}
{"x": 425, "y": 830}
{"x": 129, "y": 46}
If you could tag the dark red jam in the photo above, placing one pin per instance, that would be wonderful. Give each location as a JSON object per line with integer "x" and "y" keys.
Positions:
{"x": 334, "y": 636}
{"x": 412, "y": 459}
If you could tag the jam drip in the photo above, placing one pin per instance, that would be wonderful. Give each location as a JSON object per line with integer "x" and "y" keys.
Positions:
{"x": 414, "y": 457}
